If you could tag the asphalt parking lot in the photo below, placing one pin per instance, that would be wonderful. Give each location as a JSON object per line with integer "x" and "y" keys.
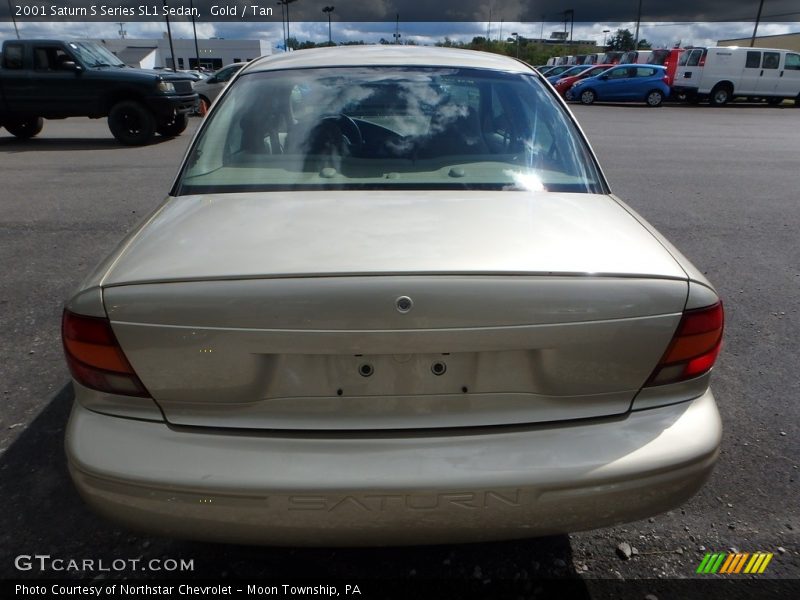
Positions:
{"x": 721, "y": 184}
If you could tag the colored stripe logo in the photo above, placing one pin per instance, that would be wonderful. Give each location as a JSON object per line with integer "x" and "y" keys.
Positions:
{"x": 729, "y": 563}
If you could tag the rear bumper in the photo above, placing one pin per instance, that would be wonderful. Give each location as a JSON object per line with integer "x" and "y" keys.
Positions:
{"x": 392, "y": 489}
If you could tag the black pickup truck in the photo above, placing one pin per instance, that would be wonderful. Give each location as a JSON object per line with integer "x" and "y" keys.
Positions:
{"x": 54, "y": 79}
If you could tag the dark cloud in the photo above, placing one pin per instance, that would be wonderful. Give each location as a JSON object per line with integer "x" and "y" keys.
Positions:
{"x": 454, "y": 10}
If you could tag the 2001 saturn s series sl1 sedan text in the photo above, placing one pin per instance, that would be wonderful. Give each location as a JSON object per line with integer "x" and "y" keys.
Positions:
{"x": 390, "y": 300}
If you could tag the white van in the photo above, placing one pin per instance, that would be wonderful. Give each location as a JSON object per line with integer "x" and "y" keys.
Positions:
{"x": 635, "y": 57}
{"x": 721, "y": 74}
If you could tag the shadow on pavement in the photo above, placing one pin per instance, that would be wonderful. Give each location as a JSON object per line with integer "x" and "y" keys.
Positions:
{"x": 44, "y": 144}
{"x": 43, "y": 514}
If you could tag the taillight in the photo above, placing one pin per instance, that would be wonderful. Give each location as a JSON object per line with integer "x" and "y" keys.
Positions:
{"x": 95, "y": 358}
{"x": 693, "y": 348}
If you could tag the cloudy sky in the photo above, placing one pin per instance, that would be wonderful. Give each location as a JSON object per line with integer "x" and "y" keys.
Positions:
{"x": 698, "y": 22}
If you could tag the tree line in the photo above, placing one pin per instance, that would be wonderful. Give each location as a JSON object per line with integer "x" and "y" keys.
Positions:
{"x": 532, "y": 51}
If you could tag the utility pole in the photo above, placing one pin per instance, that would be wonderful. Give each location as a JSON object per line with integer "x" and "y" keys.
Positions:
{"x": 605, "y": 37}
{"x": 516, "y": 35}
{"x": 169, "y": 35}
{"x": 194, "y": 34}
{"x": 286, "y": 3}
{"x": 396, "y": 33}
{"x": 122, "y": 33}
{"x": 11, "y": 12}
{"x": 283, "y": 23}
{"x": 571, "y": 13}
{"x": 329, "y": 10}
{"x": 758, "y": 19}
{"x": 638, "y": 21}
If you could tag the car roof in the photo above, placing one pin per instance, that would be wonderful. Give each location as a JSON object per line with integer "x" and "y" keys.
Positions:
{"x": 387, "y": 55}
{"x": 662, "y": 67}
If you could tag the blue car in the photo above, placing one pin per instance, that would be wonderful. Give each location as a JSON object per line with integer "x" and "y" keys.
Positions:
{"x": 624, "y": 83}
{"x": 568, "y": 73}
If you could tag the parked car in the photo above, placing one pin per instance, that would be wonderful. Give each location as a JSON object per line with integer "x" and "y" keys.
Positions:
{"x": 564, "y": 83}
{"x": 568, "y": 73}
{"x": 558, "y": 70}
{"x": 623, "y": 83}
{"x": 209, "y": 89}
{"x": 638, "y": 57}
{"x": 613, "y": 57}
{"x": 668, "y": 58}
{"x": 195, "y": 74}
{"x": 390, "y": 299}
{"x": 722, "y": 74}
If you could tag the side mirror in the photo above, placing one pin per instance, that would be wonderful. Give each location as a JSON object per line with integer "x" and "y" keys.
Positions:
{"x": 212, "y": 80}
{"x": 71, "y": 65}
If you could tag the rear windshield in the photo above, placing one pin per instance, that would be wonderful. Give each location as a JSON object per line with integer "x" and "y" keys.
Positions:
{"x": 658, "y": 57}
{"x": 388, "y": 128}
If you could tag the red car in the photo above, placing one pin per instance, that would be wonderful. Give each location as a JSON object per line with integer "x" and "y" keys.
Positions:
{"x": 563, "y": 84}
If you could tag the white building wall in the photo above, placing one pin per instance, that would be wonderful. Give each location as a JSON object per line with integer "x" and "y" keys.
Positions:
{"x": 214, "y": 53}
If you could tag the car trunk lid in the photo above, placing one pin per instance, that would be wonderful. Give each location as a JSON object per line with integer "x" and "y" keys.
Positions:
{"x": 283, "y": 312}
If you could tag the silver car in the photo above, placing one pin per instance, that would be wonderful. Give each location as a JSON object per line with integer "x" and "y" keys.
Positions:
{"x": 390, "y": 299}
{"x": 210, "y": 87}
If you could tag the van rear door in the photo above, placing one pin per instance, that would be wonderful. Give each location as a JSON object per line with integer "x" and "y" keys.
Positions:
{"x": 690, "y": 68}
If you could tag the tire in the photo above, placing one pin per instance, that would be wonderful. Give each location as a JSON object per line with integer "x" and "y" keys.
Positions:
{"x": 588, "y": 97}
{"x": 774, "y": 101}
{"x": 131, "y": 123}
{"x": 654, "y": 98}
{"x": 174, "y": 127}
{"x": 203, "y": 105}
{"x": 720, "y": 95}
{"x": 25, "y": 128}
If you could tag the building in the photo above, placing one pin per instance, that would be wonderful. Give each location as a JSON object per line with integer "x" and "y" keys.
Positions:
{"x": 214, "y": 53}
{"x": 786, "y": 41}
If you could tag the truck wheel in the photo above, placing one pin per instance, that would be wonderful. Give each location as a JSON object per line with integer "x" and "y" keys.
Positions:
{"x": 654, "y": 98}
{"x": 720, "y": 95}
{"x": 25, "y": 128}
{"x": 131, "y": 123}
{"x": 774, "y": 101}
{"x": 174, "y": 127}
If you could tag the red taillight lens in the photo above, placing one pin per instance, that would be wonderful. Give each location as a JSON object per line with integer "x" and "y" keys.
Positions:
{"x": 693, "y": 348}
{"x": 95, "y": 357}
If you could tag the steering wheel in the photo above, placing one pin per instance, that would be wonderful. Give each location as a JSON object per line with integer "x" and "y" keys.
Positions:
{"x": 345, "y": 127}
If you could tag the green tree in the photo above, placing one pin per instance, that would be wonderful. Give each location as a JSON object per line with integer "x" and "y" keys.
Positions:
{"x": 622, "y": 40}
{"x": 644, "y": 45}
